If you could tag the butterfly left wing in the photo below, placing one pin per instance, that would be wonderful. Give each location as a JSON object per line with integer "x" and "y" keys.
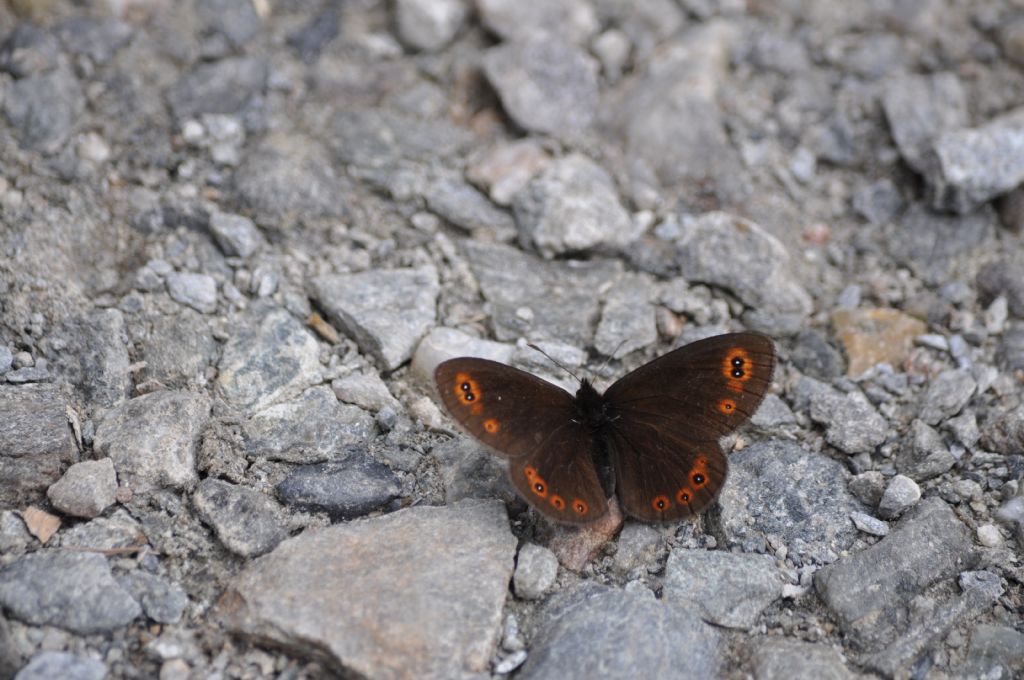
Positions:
{"x": 533, "y": 423}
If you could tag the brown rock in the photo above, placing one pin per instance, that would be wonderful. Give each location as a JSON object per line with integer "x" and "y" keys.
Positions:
{"x": 873, "y": 336}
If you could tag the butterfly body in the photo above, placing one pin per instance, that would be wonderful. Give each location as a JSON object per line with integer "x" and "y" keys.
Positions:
{"x": 658, "y": 427}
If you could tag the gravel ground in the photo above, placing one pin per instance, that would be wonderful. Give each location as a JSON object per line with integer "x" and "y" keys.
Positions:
{"x": 237, "y": 236}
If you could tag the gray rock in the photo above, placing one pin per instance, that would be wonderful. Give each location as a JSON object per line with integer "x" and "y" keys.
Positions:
{"x": 377, "y": 138}
{"x": 901, "y": 493}
{"x": 572, "y": 206}
{"x": 223, "y": 86}
{"x": 311, "y": 429}
{"x": 729, "y": 589}
{"x": 162, "y": 600}
{"x": 353, "y": 486}
{"x": 429, "y": 24}
{"x": 627, "y": 320}
{"x": 86, "y": 489}
{"x": 994, "y": 647}
{"x": 933, "y": 245}
{"x": 48, "y": 665}
{"x": 152, "y": 439}
{"x": 28, "y": 374}
{"x": 460, "y": 204}
{"x": 786, "y": 659}
{"x": 869, "y": 525}
{"x": 468, "y": 471}
{"x": 441, "y": 344}
{"x": 774, "y": 415}
{"x": 271, "y": 357}
{"x": 14, "y": 536}
{"x": 637, "y": 545}
{"x": 119, "y": 530}
{"x": 851, "y": 423}
{"x": 545, "y": 85}
{"x": 1010, "y": 354}
{"x": 947, "y": 393}
{"x": 736, "y": 254}
{"x": 1005, "y": 432}
{"x": 878, "y": 202}
{"x": 868, "y": 487}
{"x": 44, "y": 109}
{"x": 618, "y": 635}
{"x": 246, "y": 521}
{"x": 6, "y": 359}
{"x": 198, "y": 291}
{"x": 289, "y": 178}
{"x": 1004, "y": 277}
{"x": 536, "y": 571}
{"x": 236, "y": 235}
{"x": 668, "y": 120}
{"x": 870, "y": 592}
{"x": 975, "y": 165}
{"x": 536, "y": 299}
{"x": 441, "y": 618}
{"x": 504, "y": 169}
{"x": 28, "y": 50}
{"x": 932, "y": 620}
{"x": 71, "y": 590}
{"x": 815, "y": 356}
{"x": 235, "y": 20}
{"x": 95, "y": 357}
{"x": 777, "y": 489}
{"x": 36, "y": 442}
{"x": 366, "y": 390}
{"x": 571, "y": 20}
{"x": 923, "y": 454}
{"x": 919, "y": 109}
{"x": 310, "y": 40}
{"x": 386, "y": 312}
{"x": 178, "y": 349}
{"x": 99, "y": 38}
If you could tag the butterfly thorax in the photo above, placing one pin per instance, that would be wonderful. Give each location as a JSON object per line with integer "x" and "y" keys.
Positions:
{"x": 590, "y": 407}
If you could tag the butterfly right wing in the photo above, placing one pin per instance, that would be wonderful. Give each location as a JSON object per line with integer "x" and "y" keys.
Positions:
{"x": 530, "y": 421}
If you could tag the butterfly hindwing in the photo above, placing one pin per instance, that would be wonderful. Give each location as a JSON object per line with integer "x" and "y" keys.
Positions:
{"x": 559, "y": 478}
{"x": 533, "y": 423}
{"x": 663, "y": 478}
{"x": 703, "y": 390}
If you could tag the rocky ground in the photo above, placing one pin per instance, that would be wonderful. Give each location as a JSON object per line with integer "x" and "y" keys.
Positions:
{"x": 239, "y": 234}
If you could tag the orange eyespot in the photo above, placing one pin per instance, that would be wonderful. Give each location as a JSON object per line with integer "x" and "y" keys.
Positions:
{"x": 467, "y": 391}
{"x": 683, "y": 496}
{"x": 727, "y": 406}
{"x": 557, "y": 501}
{"x": 530, "y": 471}
{"x": 492, "y": 425}
{"x": 539, "y": 487}
{"x": 661, "y": 503}
{"x": 737, "y": 365}
{"x": 580, "y": 507}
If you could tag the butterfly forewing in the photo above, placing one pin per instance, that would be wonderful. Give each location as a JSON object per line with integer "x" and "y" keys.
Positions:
{"x": 533, "y": 423}
{"x": 705, "y": 389}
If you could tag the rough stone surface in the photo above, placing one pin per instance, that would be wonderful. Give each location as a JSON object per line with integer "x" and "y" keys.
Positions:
{"x": 536, "y": 570}
{"x": 851, "y": 423}
{"x": 441, "y": 619}
{"x": 729, "y": 589}
{"x": 163, "y": 601}
{"x": 870, "y": 592}
{"x": 268, "y": 360}
{"x": 901, "y": 493}
{"x": 46, "y": 665}
{"x": 350, "y": 487}
{"x": 96, "y": 360}
{"x": 873, "y": 336}
{"x": 947, "y": 393}
{"x": 86, "y": 489}
{"x": 776, "y": 488}
{"x": 619, "y": 635}
{"x": 429, "y": 24}
{"x": 35, "y": 442}
{"x": 71, "y": 590}
{"x": 246, "y": 521}
{"x": 385, "y": 312}
{"x": 152, "y": 439}
{"x": 572, "y": 206}
{"x": 785, "y": 659}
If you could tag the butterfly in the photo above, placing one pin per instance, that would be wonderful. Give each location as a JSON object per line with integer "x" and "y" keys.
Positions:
{"x": 658, "y": 427}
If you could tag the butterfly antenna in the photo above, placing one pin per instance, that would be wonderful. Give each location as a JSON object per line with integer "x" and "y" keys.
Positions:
{"x": 611, "y": 356}
{"x": 556, "y": 362}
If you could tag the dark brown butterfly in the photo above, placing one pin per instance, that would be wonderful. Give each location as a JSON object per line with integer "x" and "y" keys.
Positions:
{"x": 659, "y": 426}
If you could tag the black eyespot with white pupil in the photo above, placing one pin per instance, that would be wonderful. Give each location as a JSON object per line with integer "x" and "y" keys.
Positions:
{"x": 698, "y": 479}
{"x": 737, "y": 373}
